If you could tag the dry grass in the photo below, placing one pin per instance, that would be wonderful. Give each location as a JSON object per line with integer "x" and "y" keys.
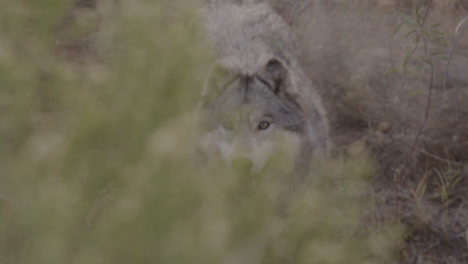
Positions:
{"x": 379, "y": 86}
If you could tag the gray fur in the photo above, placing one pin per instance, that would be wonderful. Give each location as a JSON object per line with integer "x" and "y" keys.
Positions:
{"x": 258, "y": 68}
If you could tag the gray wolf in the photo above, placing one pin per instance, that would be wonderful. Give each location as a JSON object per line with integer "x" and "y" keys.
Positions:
{"x": 257, "y": 98}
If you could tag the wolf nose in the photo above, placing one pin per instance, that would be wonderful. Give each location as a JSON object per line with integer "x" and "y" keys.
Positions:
{"x": 242, "y": 165}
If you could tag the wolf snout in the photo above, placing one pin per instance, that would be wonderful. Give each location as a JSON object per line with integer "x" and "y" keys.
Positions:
{"x": 242, "y": 165}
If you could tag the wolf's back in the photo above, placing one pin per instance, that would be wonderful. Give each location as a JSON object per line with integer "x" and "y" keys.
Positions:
{"x": 248, "y": 33}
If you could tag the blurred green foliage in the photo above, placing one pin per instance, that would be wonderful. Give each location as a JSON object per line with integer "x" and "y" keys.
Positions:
{"x": 98, "y": 162}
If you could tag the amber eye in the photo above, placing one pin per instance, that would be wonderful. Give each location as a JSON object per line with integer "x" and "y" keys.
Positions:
{"x": 263, "y": 125}
{"x": 227, "y": 125}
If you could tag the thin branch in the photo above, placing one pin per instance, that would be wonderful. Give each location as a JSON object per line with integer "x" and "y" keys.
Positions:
{"x": 441, "y": 159}
{"x": 429, "y": 96}
{"x": 304, "y": 8}
{"x": 428, "y": 108}
{"x": 460, "y": 24}
{"x": 301, "y": 11}
{"x": 454, "y": 46}
{"x": 398, "y": 173}
{"x": 457, "y": 37}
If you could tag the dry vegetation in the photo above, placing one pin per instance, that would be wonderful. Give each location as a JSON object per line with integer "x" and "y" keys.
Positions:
{"x": 395, "y": 76}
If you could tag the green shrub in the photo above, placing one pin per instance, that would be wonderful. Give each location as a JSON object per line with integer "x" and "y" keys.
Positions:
{"x": 98, "y": 162}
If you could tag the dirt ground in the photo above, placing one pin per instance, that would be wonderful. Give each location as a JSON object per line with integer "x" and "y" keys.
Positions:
{"x": 394, "y": 75}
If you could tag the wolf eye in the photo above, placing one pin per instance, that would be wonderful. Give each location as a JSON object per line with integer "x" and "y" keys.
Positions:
{"x": 263, "y": 125}
{"x": 227, "y": 125}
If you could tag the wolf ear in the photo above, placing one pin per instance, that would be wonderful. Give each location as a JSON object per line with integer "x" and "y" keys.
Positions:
{"x": 216, "y": 82}
{"x": 277, "y": 75}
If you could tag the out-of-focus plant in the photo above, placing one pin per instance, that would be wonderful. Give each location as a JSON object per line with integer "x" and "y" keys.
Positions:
{"x": 98, "y": 160}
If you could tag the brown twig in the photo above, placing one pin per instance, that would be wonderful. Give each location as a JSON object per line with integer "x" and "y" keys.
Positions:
{"x": 441, "y": 159}
{"x": 457, "y": 38}
{"x": 293, "y": 16}
{"x": 429, "y": 97}
{"x": 397, "y": 177}
{"x": 304, "y": 8}
{"x": 428, "y": 108}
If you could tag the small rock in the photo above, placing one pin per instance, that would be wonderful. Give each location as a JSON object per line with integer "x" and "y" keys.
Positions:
{"x": 384, "y": 127}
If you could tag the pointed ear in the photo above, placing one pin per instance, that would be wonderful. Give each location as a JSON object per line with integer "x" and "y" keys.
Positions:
{"x": 277, "y": 76}
{"x": 217, "y": 80}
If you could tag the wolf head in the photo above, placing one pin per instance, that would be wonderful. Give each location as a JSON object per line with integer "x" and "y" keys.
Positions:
{"x": 249, "y": 115}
